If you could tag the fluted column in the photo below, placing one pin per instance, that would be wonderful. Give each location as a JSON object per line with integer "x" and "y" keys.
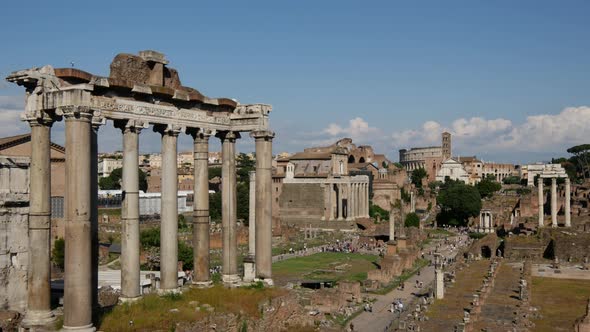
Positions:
{"x": 201, "y": 207}
{"x": 169, "y": 210}
{"x": 39, "y": 269}
{"x": 130, "y": 283}
{"x": 263, "y": 258}
{"x": 340, "y": 194}
{"x": 553, "y": 202}
{"x": 229, "y": 207}
{"x": 541, "y": 201}
{"x": 78, "y": 241}
{"x": 567, "y": 210}
{"x": 366, "y": 199}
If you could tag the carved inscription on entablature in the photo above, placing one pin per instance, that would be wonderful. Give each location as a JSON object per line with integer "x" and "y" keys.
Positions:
{"x": 166, "y": 112}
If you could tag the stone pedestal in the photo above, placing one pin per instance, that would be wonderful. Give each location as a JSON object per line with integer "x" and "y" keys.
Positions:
{"x": 249, "y": 269}
{"x": 439, "y": 284}
{"x": 391, "y": 248}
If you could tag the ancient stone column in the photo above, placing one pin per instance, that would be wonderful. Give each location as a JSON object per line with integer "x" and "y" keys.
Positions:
{"x": 439, "y": 283}
{"x": 263, "y": 204}
{"x": 39, "y": 269}
{"x": 97, "y": 121}
{"x": 333, "y": 202}
{"x": 355, "y": 200}
{"x": 252, "y": 215}
{"x": 349, "y": 201}
{"x": 412, "y": 202}
{"x": 366, "y": 199}
{"x": 201, "y": 207}
{"x": 391, "y": 226}
{"x": 249, "y": 261}
{"x": 228, "y": 207}
{"x": 553, "y": 202}
{"x": 567, "y": 210}
{"x": 339, "y": 201}
{"x": 130, "y": 284}
{"x": 78, "y": 241}
{"x": 169, "y": 210}
{"x": 541, "y": 200}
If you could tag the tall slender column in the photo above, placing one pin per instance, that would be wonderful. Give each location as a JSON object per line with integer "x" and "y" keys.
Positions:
{"x": 331, "y": 202}
{"x": 228, "y": 208}
{"x": 354, "y": 200}
{"x": 201, "y": 207}
{"x": 553, "y": 202}
{"x": 169, "y": 210}
{"x": 252, "y": 215}
{"x": 39, "y": 269}
{"x": 263, "y": 204}
{"x": 541, "y": 201}
{"x": 78, "y": 251}
{"x": 349, "y": 201}
{"x": 568, "y": 216}
{"x": 340, "y": 197}
{"x": 366, "y": 199}
{"x": 130, "y": 287}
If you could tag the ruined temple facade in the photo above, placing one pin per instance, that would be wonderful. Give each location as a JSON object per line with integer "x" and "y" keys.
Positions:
{"x": 141, "y": 91}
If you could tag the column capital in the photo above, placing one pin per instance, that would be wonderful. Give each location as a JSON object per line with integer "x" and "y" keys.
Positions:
{"x": 231, "y": 136}
{"x": 169, "y": 129}
{"x": 39, "y": 118}
{"x": 134, "y": 126}
{"x": 200, "y": 133}
{"x": 567, "y": 179}
{"x": 262, "y": 134}
{"x": 75, "y": 112}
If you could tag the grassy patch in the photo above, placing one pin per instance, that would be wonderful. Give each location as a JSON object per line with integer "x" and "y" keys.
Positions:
{"x": 326, "y": 266}
{"x": 560, "y": 301}
{"x": 153, "y": 312}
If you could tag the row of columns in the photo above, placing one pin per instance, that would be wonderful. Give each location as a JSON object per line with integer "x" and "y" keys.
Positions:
{"x": 567, "y": 208}
{"x": 485, "y": 222}
{"x": 413, "y": 165}
{"x": 81, "y": 275}
{"x": 357, "y": 200}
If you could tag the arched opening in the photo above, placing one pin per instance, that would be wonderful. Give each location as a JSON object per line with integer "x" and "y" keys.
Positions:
{"x": 486, "y": 252}
{"x": 351, "y": 159}
{"x": 361, "y": 160}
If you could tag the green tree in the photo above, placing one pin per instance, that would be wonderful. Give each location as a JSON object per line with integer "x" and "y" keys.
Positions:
{"x": 412, "y": 220}
{"x": 58, "y": 253}
{"x": 405, "y": 195}
{"x": 150, "y": 237}
{"x": 185, "y": 255}
{"x": 113, "y": 181}
{"x": 581, "y": 157}
{"x": 376, "y": 210}
{"x": 511, "y": 180}
{"x": 458, "y": 203}
{"x": 417, "y": 175}
{"x": 215, "y": 206}
{"x": 488, "y": 186}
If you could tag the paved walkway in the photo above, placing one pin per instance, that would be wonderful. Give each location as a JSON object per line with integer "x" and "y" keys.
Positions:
{"x": 380, "y": 319}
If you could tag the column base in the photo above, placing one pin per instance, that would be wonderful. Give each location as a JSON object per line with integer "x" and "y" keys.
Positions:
{"x": 202, "y": 284}
{"x": 129, "y": 299}
{"x": 37, "y": 318}
{"x": 267, "y": 282}
{"x": 85, "y": 328}
{"x": 230, "y": 278}
{"x": 249, "y": 271}
{"x": 162, "y": 292}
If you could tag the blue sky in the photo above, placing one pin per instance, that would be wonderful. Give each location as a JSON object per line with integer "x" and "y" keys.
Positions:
{"x": 508, "y": 78}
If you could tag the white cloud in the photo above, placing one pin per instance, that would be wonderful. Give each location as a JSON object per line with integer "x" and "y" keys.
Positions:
{"x": 11, "y": 108}
{"x": 543, "y": 133}
{"x": 357, "y": 128}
